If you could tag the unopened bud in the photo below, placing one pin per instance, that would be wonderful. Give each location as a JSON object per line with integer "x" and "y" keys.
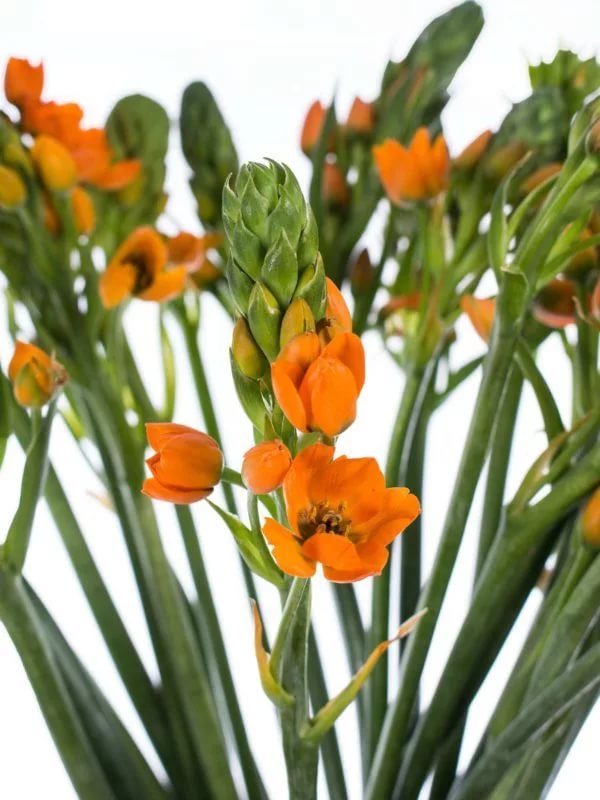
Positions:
{"x": 264, "y": 318}
{"x": 84, "y": 213}
{"x": 590, "y": 520}
{"x": 246, "y": 353}
{"x": 54, "y": 163}
{"x": 335, "y": 189}
{"x": 361, "y": 119}
{"x": 35, "y": 375}
{"x": 313, "y": 288}
{"x": 296, "y": 320}
{"x": 12, "y": 188}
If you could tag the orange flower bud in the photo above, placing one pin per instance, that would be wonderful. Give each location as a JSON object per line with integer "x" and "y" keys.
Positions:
{"x": 361, "y": 119}
{"x": 35, "y": 375}
{"x": 313, "y": 125}
{"x": 297, "y": 319}
{"x": 590, "y": 520}
{"x": 335, "y": 188}
{"x": 186, "y": 466}
{"x": 554, "y": 306}
{"x": 337, "y": 317}
{"x": 12, "y": 188}
{"x": 23, "y": 82}
{"x": 265, "y": 466}
{"x": 472, "y": 153}
{"x": 415, "y": 172}
{"x": 54, "y": 163}
{"x": 84, "y": 212}
{"x": 480, "y": 312}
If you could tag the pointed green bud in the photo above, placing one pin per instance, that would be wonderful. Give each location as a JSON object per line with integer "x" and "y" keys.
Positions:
{"x": 293, "y": 190}
{"x": 249, "y": 395}
{"x": 247, "y": 250}
{"x": 255, "y": 210}
{"x": 308, "y": 246}
{"x": 264, "y": 318}
{"x": 296, "y": 320}
{"x": 266, "y": 182}
{"x": 246, "y": 353}
{"x": 286, "y": 217}
{"x": 313, "y": 288}
{"x": 280, "y": 269}
{"x": 240, "y": 285}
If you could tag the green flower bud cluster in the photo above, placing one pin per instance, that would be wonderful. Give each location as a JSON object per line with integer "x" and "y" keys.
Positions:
{"x": 208, "y": 148}
{"x": 576, "y": 79}
{"x": 274, "y": 250}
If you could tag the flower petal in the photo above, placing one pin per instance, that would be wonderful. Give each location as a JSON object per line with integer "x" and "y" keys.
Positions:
{"x": 158, "y": 491}
{"x": 296, "y": 483}
{"x": 166, "y": 285}
{"x": 286, "y": 550}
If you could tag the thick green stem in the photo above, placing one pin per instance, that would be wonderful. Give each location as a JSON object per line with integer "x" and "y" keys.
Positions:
{"x": 496, "y": 367}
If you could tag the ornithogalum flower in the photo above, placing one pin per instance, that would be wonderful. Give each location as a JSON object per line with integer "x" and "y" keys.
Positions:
{"x": 192, "y": 253}
{"x": 265, "y": 466}
{"x": 35, "y": 375}
{"x": 139, "y": 268}
{"x": 337, "y": 319}
{"x": 23, "y": 83}
{"x": 312, "y": 127}
{"x": 340, "y": 515}
{"x": 54, "y": 163}
{"x": 416, "y": 172}
{"x": 361, "y": 118}
{"x": 480, "y": 312}
{"x": 186, "y": 465}
{"x": 317, "y": 387}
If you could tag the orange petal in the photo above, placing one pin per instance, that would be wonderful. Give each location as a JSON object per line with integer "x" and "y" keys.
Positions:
{"x": 329, "y": 394}
{"x": 440, "y": 163}
{"x": 287, "y": 395}
{"x": 336, "y": 306}
{"x": 398, "y": 172}
{"x": 116, "y": 284}
{"x": 481, "y": 312}
{"x": 348, "y": 348}
{"x": 159, "y": 433}
{"x": 23, "y": 354}
{"x": 166, "y": 285}
{"x": 118, "y": 176}
{"x": 350, "y": 576}
{"x": 153, "y": 488}
{"x": 296, "y": 483}
{"x": 265, "y": 466}
{"x": 398, "y": 509}
{"x": 186, "y": 461}
{"x": 332, "y": 550}
{"x": 286, "y": 550}
{"x": 337, "y": 484}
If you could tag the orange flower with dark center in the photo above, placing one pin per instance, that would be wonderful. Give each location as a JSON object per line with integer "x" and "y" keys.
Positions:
{"x": 415, "y": 172}
{"x": 265, "y": 466}
{"x": 139, "y": 269}
{"x": 361, "y": 118}
{"x": 481, "y": 312}
{"x": 317, "y": 387}
{"x": 186, "y": 466}
{"x": 555, "y": 305}
{"x": 23, "y": 83}
{"x": 340, "y": 515}
{"x": 35, "y": 375}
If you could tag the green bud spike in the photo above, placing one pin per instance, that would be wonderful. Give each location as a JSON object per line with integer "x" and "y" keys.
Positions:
{"x": 246, "y": 353}
{"x": 250, "y": 396}
{"x": 240, "y": 285}
{"x": 264, "y": 318}
{"x": 576, "y": 79}
{"x": 313, "y": 288}
{"x": 280, "y": 269}
{"x": 308, "y": 246}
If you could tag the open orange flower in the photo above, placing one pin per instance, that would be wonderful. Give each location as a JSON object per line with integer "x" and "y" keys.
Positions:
{"x": 23, "y": 83}
{"x": 186, "y": 466}
{"x": 139, "y": 269}
{"x": 341, "y": 515}
{"x": 480, "y": 312}
{"x": 35, "y": 375}
{"x": 317, "y": 387}
{"x": 265, "y": 466}
{"x": 414, "y": 173}
{"x": 94, "y": 159}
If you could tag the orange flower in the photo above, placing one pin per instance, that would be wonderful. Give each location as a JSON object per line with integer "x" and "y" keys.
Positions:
{"x": 411, "y": 301}
{"x": 340, "y": 515}
{"x": 93, "y": 156}
{"x": 480, "y": 312}
{"x": 472, "y": 153}
{"x": 313, "y": 125}
{"x": 84, "y": 212}
{"x": 191, "y": 251}
{"x": 23, "y": 82}
{"x": 337, "y": 317}
{"x": 35, "y": 375}
{"x": 54, "y": 163}
{"x": 186, "y": 466}
{"x": 317, "y": 387}
{"x": 138, "y": 268}
{"x": 361, "y": 118}
{"x": 335, "y": 188}
{"x": 554, "y": 306}
{"x": 265, "y": 466}
{"x": 59, "y": 120}
{"x": 413, "y": 173}
{"x": 590, "y": 520}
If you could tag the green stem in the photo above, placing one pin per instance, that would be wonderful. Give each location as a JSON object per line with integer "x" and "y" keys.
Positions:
{"x": 364, "y": 302}
{"x": 18, "y": 615}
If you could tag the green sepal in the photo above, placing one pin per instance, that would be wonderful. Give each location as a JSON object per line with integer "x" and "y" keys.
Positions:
{"x": 308, "y": 246}
{"x": 252, "y": 548}
{"x": 264, "y": 318}
{"x": 285, "y": 217}
{"x": 230, "y": 207}
{"x": 255, "y": 210}
{"x": 240, "y": 285}
{"x": 280, "y": 269}
{"x": 247, "y": 250}
{"x": 313, "y": 288}
{"x": 250, "y": 395}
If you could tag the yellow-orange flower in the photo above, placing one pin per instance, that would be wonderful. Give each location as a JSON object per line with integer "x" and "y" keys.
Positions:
{"x": 12, "y": 188}
{"x": 415, "y": 172}
{"x": 84, "y": 212}
{"x": 480, "y": 312}
{"x": 361, "y": 118}
{"x": 265, "y": 466}
{"x": 23, "y": 83}
{"x": 554, "y": 306}
{"x": 139, "y": 268}
{"x": 317, "y": 387}
{"x": 35, "y": 375}
{"x": 186, "y": 465}
{"x": 340, "y": 514}
{"x": 54, "y": 163}
{"x": 590, "y": 520}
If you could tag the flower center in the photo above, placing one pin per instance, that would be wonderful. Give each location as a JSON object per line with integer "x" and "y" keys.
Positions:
{"x": 323, "y": 518}
{"x": 143, "y": 273}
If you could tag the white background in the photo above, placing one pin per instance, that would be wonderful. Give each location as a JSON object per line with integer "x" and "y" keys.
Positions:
{"x": 265, "y": 61}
